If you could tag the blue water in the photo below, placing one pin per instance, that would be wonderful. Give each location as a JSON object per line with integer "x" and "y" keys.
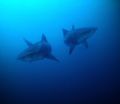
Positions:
{"x": 88, "y": 76}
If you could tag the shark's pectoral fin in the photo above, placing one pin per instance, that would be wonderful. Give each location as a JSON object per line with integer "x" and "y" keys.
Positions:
{"x": 28, "y": 42}
{"x": 51, "y": 57}
{"x": 85, "y": 43}
{"x": 71, "y": 49}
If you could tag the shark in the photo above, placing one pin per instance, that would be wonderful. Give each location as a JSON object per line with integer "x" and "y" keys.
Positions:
{"x": 75, "y": 37}
{"x": 37, "y": 51}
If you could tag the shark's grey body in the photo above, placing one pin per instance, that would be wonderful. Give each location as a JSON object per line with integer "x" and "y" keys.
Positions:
{"x": 37, "y": 51}
{"x": 75, "y": 37}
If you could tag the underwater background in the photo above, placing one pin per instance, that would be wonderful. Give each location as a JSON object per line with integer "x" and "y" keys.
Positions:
{"x": 88, "y": 76}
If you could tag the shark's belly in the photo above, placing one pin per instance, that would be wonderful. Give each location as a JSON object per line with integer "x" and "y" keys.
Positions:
{"x": 35, "y": 53}
{"x": 82, "y": 39}
{"x": 71, "y": 40}
{"x": 44, "y": 49}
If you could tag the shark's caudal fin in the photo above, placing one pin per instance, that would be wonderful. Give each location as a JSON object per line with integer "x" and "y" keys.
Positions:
{"x": 72, "y": 47}
{"x": 65, "y": 32}
{"x": 51, "y": 57}
{"x": 44, "y": 39}
{"x": 28, "y": 42}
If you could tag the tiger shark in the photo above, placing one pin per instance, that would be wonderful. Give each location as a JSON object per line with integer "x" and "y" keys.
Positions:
{"x": 75, "y": 37}
{"x": 37, "y": 51}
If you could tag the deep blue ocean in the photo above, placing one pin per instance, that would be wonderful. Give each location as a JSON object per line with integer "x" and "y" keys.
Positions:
{"x": 87, "y": 76}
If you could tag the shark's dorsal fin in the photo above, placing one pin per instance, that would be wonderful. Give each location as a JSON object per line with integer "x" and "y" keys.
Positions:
{"x": 43, "y": 39}
{"x": 73, "y": 27}
{"x": 65, "y": 32}
{"x": 28, "y": 42}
